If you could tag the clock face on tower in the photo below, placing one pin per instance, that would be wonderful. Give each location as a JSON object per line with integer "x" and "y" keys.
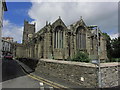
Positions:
{"x": 30, "y": 35}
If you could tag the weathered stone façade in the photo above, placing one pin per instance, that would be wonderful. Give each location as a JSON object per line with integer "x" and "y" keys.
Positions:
{"x": 59, "y": 41}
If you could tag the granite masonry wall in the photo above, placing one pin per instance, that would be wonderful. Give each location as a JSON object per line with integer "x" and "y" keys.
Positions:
{"x": 84, "y": 74}
{"x": 110, "y": 74}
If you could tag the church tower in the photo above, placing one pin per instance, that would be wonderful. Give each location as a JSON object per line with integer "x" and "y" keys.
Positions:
{"x": 29, "y": 30}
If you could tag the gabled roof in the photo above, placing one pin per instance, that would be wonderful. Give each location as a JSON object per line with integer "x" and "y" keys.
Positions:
{"x": 59, "y": 21}
{"x": 79, "y": 22}
{"x": 41, "y": 30}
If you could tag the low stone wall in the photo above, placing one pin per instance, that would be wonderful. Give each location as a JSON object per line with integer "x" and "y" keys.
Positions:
{"x": 84, "y": 74}
{"x": 110, "y": 74}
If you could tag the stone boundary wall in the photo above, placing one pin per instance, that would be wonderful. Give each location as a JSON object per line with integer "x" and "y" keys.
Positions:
{"x": 110, "y": 75}
{"x": 84, "y": 74}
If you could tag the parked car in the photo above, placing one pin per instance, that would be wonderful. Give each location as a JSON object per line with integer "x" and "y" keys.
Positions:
{"x": 8, "y": 56}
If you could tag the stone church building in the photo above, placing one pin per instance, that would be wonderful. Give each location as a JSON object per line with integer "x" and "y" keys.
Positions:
{"x": 58, "y": 41}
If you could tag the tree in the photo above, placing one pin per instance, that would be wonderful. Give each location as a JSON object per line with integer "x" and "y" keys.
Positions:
{"x": 116, "y": 47}
{"x": 108, "y": 46}
{"x": 113, "y": 48}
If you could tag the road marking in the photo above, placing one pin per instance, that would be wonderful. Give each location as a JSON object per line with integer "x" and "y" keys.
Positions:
{"x": 49, "y": 81}
{"x": 39, "y": 79}
{"x": 43, "y": 81}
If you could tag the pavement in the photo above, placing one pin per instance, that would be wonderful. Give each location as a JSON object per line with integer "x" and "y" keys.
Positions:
{"x": 25, "y": 67}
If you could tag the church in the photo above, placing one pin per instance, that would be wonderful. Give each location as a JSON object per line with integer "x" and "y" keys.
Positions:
{"x": 58, "y": 41}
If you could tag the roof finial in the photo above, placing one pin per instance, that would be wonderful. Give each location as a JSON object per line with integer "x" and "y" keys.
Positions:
{"x": 80, "y": 17}
{"x": 59, "y": 17}
{"x": 46, "y": 23}
{"x": 49, "y": 23}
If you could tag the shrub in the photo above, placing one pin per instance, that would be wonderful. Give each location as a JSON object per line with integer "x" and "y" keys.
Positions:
{"x": 81, "y": 57}
{"x": 115, "y": 60}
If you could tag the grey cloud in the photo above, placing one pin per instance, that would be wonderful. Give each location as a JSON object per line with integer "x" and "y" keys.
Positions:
{"x": 103, "y": 14}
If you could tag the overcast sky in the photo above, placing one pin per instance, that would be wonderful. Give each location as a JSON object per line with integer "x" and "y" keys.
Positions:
{"x": 103, "y": 14}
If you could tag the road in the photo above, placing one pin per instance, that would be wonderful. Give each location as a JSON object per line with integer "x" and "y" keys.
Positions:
{"x": 13, "y": 76}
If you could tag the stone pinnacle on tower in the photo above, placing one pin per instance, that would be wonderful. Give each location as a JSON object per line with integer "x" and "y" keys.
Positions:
{"x": 80, "y": 17}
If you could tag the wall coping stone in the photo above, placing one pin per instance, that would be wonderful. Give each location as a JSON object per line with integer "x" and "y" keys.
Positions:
{"x": 111, "y": 64}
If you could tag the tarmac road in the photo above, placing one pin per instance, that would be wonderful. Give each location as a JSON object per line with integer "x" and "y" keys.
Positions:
{"x": 13, "y": 76}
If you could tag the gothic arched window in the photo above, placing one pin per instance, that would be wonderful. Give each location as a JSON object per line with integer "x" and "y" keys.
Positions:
{"x": 58, "y": 37}
{"x": 81, "y": 38}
